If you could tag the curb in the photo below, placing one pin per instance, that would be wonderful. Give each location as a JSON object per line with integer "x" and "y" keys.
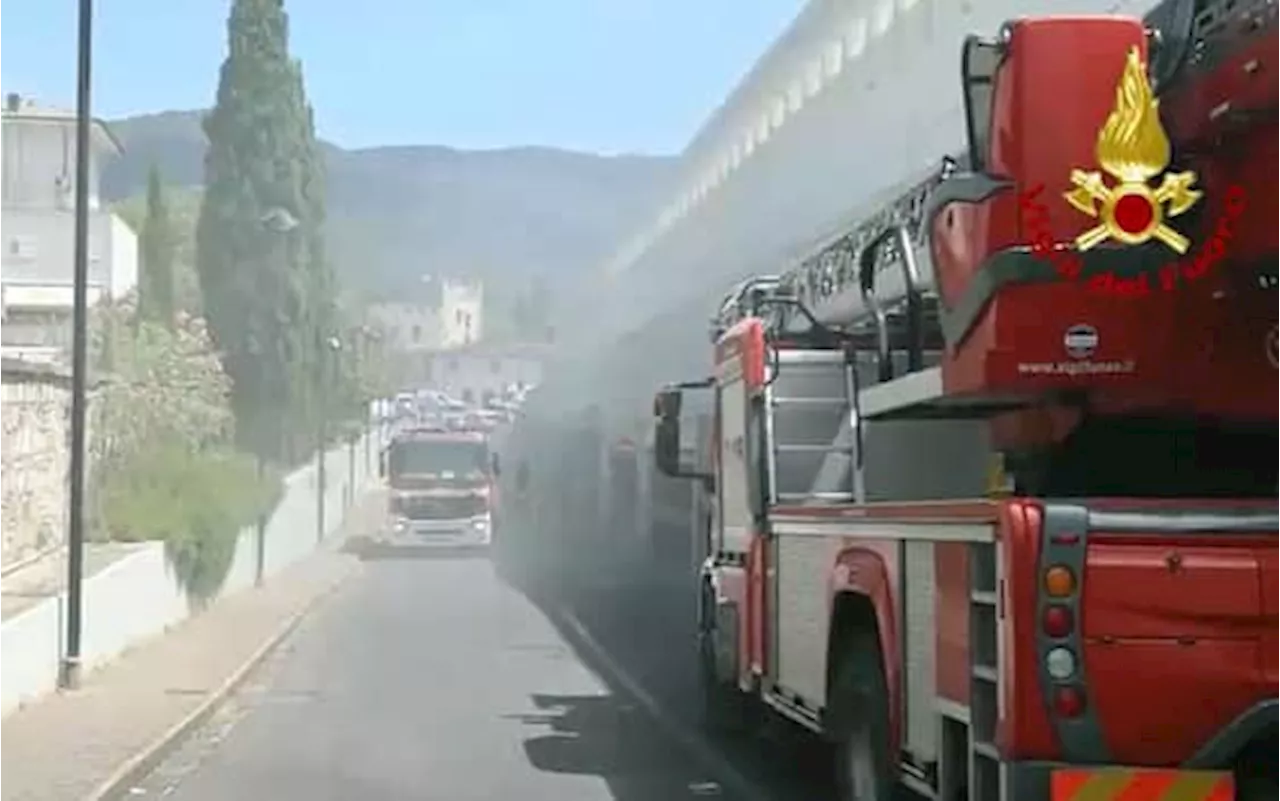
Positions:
{"x": 733, "y": 780}
{"x": 143, "y": 762}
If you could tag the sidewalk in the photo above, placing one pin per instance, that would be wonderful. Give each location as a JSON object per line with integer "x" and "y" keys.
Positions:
{"x": 66, "y": 746}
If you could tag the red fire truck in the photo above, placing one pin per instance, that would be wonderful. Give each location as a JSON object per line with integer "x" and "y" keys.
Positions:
{"x": 994, "y": 472}
{"x": 441, "y": 489}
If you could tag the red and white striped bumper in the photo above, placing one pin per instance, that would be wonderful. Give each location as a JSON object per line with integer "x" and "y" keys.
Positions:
{"x": 1140, "y": 784}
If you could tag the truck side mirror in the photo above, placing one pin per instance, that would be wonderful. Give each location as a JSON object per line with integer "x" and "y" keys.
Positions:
{"x": 666, "y": 432}
{"x": 495, "y": 467}
{"x": 979, "y": 62}
{"x": 382, "y": 465}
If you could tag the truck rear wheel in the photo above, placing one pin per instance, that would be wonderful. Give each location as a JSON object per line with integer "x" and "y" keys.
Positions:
{"x": 860, "y": 722}
{"x": 725, "y": 709}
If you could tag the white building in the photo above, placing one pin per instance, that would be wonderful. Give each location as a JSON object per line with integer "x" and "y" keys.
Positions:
{"x": 410, "y": 333}
{"x": 461, "y": 307}
{"x": 407, "y": 326}
{"x": 38, "y": 210}
{"x": 413, "y": 333}
{"x": 477, "y": 373}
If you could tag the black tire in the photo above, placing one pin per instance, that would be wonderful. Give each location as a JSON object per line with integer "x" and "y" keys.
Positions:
{"x": 725, "y": 709}
{"x": 859, "y": 728}
{"x": 1255, "y": 788}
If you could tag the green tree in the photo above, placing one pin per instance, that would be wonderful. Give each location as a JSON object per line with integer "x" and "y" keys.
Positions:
{"x": 183, "y": 206}
{"x": 157, "y": 245}
{"x": 266, "y": 287}
{"x": 161, "y": 463}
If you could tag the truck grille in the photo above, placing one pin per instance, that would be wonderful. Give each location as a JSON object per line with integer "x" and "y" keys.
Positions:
{"x": 440, "y": 508}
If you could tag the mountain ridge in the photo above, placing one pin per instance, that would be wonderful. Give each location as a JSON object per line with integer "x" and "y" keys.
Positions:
{"x": 400, "y": 211}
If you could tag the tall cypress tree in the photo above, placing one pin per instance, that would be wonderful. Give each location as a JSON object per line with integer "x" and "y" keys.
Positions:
{"x": 259, "y": 239}
{"x": 157, "y": 246}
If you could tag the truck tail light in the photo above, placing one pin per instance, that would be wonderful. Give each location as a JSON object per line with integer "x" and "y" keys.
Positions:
{"x": 1060, "y": 647}
{"x": 1060, "y": 663}
{"x": 1057, "y": 621}
{"x": 1059, "y": 581}
{"x": 1068, "y": 702}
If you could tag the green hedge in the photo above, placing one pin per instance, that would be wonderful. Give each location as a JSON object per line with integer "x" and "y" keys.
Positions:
{"x": 195, "y": 501}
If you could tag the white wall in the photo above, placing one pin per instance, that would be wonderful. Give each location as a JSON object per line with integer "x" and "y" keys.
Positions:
{"x": 39, "y": 249}
{"x": 122, "y": 252}
{"x": 139, "y": 596}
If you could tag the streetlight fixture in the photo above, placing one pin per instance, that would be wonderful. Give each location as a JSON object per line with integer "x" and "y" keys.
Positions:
{"x": 69, "y": 674}
{"x": 375, "y": 355}
{"x": 278, "y": 220}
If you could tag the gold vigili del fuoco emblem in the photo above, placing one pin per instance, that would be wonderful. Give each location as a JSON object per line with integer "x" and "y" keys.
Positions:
{"x": 1133, "y": 148}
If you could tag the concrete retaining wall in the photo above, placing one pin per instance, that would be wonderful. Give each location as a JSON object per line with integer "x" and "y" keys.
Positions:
{"x": 139, "y": 596}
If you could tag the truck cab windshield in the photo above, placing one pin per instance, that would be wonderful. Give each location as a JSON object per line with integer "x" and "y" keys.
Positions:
{"x": 426, "y": 457}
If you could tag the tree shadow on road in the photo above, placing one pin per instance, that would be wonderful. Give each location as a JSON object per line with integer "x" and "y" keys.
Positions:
{"x": 606, "y": 736}
{"x": 648, "y": 630}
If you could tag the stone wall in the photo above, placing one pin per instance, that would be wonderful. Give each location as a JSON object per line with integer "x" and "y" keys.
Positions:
{"x": 35, "y": 403}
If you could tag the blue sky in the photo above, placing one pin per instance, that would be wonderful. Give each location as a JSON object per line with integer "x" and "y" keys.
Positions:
{"x": 599, "y": 75}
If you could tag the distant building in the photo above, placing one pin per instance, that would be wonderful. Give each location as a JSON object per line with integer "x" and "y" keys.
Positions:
{"x": 38, "y": 209}
{"x": 413, "y": 333}
{"x": 410, "y": 333}
{"x": 480, "y": 372}
{"x": 407, "y": 326}
{"x": 461, "y": 308}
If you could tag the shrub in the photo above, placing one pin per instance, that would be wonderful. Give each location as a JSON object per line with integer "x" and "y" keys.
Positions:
{"x": 161, "y": 384}
{"x": 195, "y": 501}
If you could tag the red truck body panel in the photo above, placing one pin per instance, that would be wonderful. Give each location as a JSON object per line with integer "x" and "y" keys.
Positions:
{"x": 1171, "y": 628}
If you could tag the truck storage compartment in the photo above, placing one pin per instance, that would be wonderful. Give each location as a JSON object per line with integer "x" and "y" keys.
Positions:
{"x": 1175, "y": 627}
{"x": 1163, "y": 590}
{"x": 1176, "y": 554}
{"x": 1187, "y": 691}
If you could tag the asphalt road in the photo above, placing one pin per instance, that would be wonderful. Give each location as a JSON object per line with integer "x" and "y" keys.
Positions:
{"x": 431, "y": 680}
{"x": 648, "y": 629}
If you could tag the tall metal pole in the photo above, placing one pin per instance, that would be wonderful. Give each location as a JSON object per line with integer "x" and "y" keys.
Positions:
{"x": 69, "y": 675}
{"x": 260, "y": 541}
{"x": 321, "y": 438}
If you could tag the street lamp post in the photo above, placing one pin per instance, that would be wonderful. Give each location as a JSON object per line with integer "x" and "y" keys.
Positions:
{"x": 276, "y": 221}
{"x": 69, "y": 674}
{"x": 332, "y": 345}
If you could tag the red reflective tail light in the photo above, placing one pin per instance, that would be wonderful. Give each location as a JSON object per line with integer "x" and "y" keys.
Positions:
{"x": 1068, "y": 702}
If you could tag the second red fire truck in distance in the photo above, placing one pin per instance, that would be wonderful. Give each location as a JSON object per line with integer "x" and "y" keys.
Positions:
{"x": 993, "y": 486}
{"x": 440, "y": 489}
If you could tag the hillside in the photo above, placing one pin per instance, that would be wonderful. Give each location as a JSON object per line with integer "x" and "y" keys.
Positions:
{"x": 397, "y": 213}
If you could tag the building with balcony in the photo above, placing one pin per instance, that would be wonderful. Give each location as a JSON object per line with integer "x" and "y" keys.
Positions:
{"x": 37, "y": 236}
